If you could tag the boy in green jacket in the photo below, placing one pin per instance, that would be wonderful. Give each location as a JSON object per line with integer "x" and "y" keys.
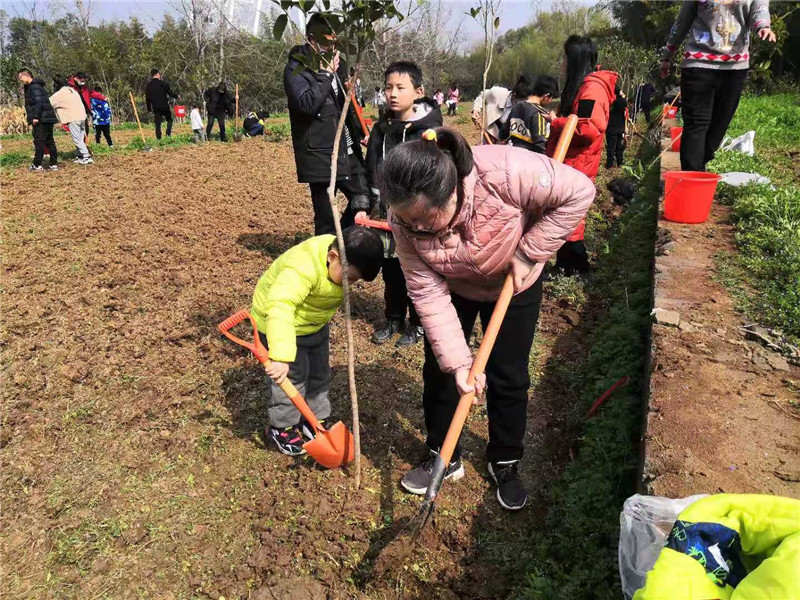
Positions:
{"x": 293, "y": 302}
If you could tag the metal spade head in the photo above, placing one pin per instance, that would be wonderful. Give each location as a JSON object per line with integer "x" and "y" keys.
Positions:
{"x": 332, "y": 448}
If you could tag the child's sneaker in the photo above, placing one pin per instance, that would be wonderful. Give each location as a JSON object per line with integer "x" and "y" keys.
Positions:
{"x": 308, "y": 431}
{"x": 412, "y": 335}
{"x": 288, "y": 440}
{"x": 53, "y": 168}
{"x": 417, "y": 480}
{"x": 36, "y": 168}
{"x": 389, "y": 329}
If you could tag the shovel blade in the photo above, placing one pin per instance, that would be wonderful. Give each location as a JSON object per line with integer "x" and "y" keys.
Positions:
{"x": 333, "y": 448}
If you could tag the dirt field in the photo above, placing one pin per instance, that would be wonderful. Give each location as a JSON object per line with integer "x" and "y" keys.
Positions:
{"x": 723, "y": 409}
{"x": 133, "y": 456}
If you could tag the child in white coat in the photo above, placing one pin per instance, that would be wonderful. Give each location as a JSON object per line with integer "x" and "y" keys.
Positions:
{"x": 197, "y": 124}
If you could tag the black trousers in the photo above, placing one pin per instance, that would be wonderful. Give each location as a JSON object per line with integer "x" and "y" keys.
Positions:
{"x": 572, "y": 258}
{"x": 451, "y": 109}
{"x": 615, "y": 148}
{"x": 221, "y": 120}
{"x": 646, "y": 110}
{"x": 161, "y": 115}
{"x": 709, "y": 100}
{"x": 395, "y": 294}
{"x": 354, "y": 185}
{"x": 507, "y": 376}
{"x": 105, "y": 130}
{"x": 43, "y": 137}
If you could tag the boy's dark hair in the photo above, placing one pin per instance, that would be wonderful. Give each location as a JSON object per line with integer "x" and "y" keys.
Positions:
{"x": 319, "y": 24}
{"x": 154, "y": 72}
{"x": 26, "y": 71}
{"x": 364, "y": 250}
{"x": 523, "y": 88}
{"x": 97, "y": 88}
{"x": 546, "y": 86}
{"x": 429, "y": 169}
{"x": 405, "y": 67}
{"x": 81, "y": 75}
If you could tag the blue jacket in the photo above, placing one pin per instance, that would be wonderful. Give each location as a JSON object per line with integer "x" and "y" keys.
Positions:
{"x": 101, "y": 112}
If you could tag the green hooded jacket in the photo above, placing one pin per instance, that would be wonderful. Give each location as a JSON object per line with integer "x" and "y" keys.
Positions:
{"x": 730, "y": 547}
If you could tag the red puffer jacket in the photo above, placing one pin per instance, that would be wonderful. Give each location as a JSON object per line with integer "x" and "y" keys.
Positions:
{"x": 86, "y": 94}
{"x": 587, "y": 143}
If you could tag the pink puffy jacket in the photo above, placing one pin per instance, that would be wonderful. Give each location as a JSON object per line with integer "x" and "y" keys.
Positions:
{"x": 515, "y": 201}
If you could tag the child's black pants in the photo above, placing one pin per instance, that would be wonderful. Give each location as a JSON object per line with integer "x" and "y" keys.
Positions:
{"x": 615, "y": 147}
{"x": 395, "y": 294}
{"x": 507, "y": 376}
{"x": 43, "y": 137}
{"x": 709, "y": 99}
{"x": 104, "y": 130}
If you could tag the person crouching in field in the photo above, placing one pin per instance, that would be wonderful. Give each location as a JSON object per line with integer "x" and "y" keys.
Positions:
{"x": 101, "y": 118}
{"x": 408, "y": 114}
{"x": 41, "y": 117}
{"x": 71, "y": 112}
{"x": 196, "y": 119}
{"x": 292, "y": 305}
{"x": 528, "y": 125}
{"x": 462, "y": 220}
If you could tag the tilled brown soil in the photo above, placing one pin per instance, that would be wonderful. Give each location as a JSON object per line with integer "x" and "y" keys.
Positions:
{"x": 134, "y": 463}
{"x": 723, "y": 409}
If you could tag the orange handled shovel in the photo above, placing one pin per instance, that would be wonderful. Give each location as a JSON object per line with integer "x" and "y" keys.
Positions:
{"x": 332, "y": 448}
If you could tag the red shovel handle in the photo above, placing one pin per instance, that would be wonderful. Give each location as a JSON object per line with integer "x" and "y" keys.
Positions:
{"x": 367, "y": 222}
{"x": 257, "y": 348}
{"x": 262, "y": 355}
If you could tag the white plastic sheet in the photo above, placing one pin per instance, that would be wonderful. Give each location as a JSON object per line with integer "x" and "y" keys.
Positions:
{"x": 744, "y": 143}
{"x": 739, "y": 178}
{"x": 645, "y": 523}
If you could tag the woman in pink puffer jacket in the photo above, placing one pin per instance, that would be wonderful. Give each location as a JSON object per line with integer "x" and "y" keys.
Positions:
{"x": 462, "y": 218}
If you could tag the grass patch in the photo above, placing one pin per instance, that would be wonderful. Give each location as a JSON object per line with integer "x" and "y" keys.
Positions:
{"x": 764, "y": 276}
{"x": 576, "y": 557}
{"x": 11, "y": 160}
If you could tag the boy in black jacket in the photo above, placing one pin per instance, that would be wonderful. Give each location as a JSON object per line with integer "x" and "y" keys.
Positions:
{"x": 528, "y": 125}
{"x": 316, "y": 99}
{"x": 407, "y": 115}
{"x": 41, "y": 117}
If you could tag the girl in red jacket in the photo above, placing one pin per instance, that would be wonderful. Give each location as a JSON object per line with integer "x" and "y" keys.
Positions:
{"x": 583, "y": 83}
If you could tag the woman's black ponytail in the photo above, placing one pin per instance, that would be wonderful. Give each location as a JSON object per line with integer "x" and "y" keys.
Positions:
{"x": 429, "y": 168}
{"x": 581, "y": 56}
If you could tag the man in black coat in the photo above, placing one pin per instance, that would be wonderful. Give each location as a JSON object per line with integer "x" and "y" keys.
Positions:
{"x": 219, "y": 103}
{"x": 157, "y": 95}
{"x": 42, "y": 117}
{"x": 316, "y": 100}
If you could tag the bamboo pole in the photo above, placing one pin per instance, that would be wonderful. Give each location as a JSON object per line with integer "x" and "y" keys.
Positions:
{"x": 136, "y": 114}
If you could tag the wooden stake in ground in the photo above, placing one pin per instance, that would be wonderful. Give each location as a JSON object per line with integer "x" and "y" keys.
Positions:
{"x": 136, "y": 114}
{"x": 237, "y": 136}
{"x": 351, "y": 355}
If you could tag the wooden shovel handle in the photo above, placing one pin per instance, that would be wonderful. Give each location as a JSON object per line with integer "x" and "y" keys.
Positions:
{"x": 478, "y": 366}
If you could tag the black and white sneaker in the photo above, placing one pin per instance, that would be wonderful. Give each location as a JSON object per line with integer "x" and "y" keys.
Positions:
{"x": 416, "y": 481}
{"x": 36, "y": 168}
{"x": 308, "y": 431}
{"x": 52, "y": 168}
{"x": 510, "y": 493}
{"x": 288, "y": 440}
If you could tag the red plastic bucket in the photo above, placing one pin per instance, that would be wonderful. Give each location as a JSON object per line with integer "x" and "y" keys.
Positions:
{"x": 672, "y": 113}
{"x": 676, "y": 133}
{"x": 180, "y": 111}
{"x": 688, "y": 195}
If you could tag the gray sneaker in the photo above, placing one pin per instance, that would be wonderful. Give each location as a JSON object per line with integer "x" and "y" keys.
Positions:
{"x": 416, "y": 481}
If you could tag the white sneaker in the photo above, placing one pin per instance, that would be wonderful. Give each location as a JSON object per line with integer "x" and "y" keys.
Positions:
{"x": 86, "y": 161}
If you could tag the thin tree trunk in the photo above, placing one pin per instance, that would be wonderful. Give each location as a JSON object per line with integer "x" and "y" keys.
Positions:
{"x": 351, "y": 355}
